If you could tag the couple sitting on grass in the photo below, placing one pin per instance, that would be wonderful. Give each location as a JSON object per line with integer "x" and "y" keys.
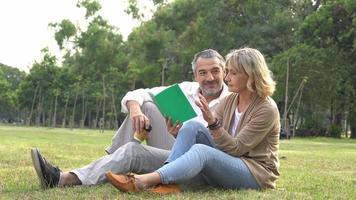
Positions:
{"x": 232, "y": 143}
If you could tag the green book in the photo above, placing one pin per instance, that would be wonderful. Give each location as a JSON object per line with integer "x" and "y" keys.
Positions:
{"x": 173, "y": 103}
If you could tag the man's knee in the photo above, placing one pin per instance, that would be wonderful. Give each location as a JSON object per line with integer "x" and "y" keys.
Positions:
{"x": 149, "y": 107}
{"x": 130, "y": 149}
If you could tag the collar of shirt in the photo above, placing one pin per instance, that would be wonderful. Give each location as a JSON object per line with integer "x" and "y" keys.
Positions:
{"x": 195, "y": 94}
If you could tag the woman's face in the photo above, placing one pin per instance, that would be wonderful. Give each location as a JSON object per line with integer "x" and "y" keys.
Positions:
{"x": 236, "y": 80}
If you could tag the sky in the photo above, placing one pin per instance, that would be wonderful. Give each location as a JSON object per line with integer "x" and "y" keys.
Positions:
{"x": 24, "y": 26}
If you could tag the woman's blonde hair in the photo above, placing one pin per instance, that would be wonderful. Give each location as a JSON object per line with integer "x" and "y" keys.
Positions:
{"x": 252, "y": 62}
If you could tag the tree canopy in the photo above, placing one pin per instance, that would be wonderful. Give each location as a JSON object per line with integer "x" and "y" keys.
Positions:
{"x": 316, "y": 39}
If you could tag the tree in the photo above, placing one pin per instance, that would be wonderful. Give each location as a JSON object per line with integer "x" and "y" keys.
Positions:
{"x": 324, "y": 74}
{"x": 37, "y": 87}
{"x": 333, "y": 26}
{"x": 181, "y": 28}
{"x": 10, "y": 79}
{"x": 97, "y": 61}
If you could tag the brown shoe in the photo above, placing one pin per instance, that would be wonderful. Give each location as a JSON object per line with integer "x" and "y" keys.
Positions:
{"x": 164, "y": 189}
{"x": 125, "y": 183}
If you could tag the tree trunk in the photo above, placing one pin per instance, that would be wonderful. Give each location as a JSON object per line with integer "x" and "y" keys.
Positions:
{"x": 28, "y": 121}
{"x": 43, "y": 111}
{"x": 83, "y": 111}
{"x": 89, "y": 120}
{"x": 352, "y": 122}
{"x": 54, "y": 118}
{"x": 73, "y": 111}
{"x": 97, "y": 108}
{"x": 50, "y": 114}
{"x": 285, "y": 124}
{"x": 39, "y": 106}
{"x": 102, "y": 120}
{"x": 65, "y": 113}
{"x": 116, "y": 125}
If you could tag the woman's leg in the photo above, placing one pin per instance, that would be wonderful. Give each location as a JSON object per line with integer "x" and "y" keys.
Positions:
{"x": 218, "y": 169}
{"x": 192, "y": 132}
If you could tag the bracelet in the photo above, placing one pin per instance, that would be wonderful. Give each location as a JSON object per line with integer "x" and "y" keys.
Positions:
{"x": 214, "y": 125}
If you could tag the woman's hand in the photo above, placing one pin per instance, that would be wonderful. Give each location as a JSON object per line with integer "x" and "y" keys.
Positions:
{"x": 172, "y": 129}
{"x": 204, "y": 107}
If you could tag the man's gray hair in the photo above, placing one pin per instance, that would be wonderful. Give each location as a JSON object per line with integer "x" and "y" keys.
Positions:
{"x": 208, "y": 53}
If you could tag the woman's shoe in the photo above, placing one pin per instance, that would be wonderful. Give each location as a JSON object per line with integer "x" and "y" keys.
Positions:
{"x": 127, "y": 183}
{"x": 164, "y": 189}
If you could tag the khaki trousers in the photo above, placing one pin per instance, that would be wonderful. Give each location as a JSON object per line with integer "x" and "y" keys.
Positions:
{"x": 158, "y": 137}
{"x": 131, "y": 157}
{"x": 126, "y": 156}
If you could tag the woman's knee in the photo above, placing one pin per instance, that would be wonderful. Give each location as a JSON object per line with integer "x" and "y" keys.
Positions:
{"x": 191, "y": 127}
{"x": 200, "y": 148}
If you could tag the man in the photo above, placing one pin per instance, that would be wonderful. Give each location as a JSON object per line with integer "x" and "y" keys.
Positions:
{"x": 142, "y": 112}
{"x": 126, "y": 156}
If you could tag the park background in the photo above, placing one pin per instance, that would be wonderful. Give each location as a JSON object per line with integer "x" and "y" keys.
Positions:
{"x": 309, "y": 46}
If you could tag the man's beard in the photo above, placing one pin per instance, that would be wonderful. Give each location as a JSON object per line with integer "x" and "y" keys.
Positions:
{"x": 207, "y": 91}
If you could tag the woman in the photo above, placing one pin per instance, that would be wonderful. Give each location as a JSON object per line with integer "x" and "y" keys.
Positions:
{"x": 245, "y": 131}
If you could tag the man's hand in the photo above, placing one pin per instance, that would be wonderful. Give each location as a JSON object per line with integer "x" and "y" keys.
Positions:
{"x": 138, "y": 119}
{"x": 172, "y": 129}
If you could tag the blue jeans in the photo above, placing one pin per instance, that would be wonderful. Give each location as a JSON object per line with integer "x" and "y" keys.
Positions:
{"x": 204, "y": 163}
{"x": 192, "y": 132}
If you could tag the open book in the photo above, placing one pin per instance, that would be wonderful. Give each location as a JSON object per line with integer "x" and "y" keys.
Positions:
{"x": 173, "y": 103}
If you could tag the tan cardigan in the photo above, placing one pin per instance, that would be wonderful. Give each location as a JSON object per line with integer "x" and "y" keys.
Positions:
{"x": 257, "y": 137}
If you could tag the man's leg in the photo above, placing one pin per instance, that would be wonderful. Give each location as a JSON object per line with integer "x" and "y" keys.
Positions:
{"x": 132, "y": 157}
{"x": 122, "y": 136}
{"x": 158, "y": 137}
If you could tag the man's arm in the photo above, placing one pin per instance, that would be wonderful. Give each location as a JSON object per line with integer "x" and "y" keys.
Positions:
{"x": 138, "y": 119}
{"x": 131, "y": 103}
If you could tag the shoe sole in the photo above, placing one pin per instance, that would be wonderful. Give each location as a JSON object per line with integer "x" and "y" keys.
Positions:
{"x": 37, "y": 166}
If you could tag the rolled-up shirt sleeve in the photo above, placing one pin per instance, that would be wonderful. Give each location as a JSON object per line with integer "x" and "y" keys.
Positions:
{"x": 140, "y": 96}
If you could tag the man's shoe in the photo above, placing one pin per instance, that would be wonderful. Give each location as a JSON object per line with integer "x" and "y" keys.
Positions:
{"x": 127, "y": 183}
{"x": 47, "y": 174}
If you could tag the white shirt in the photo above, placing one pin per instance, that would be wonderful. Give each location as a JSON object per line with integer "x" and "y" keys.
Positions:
{"x": 236, "y": 122}
{"x": 190, "y": 90}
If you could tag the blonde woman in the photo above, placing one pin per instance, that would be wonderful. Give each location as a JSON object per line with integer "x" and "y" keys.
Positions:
{"x": 244, "y": 130}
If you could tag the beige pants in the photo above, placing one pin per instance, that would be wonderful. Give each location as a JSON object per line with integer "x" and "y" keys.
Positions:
{"x": 131, "y": 157}
{"x": 158, "y": 137}
{"x": 126, "y": 156}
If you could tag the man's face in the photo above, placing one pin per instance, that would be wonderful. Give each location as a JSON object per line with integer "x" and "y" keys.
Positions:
{"x": 209, "y": 75}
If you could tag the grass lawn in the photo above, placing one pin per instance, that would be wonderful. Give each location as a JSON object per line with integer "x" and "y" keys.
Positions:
{"x": 311, "y": 168}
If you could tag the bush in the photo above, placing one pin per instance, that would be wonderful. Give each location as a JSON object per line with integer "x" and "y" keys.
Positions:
{"x": 335, "y": 131}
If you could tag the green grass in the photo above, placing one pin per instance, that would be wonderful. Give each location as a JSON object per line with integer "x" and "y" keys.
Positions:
{"x": 311, "y": 168}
